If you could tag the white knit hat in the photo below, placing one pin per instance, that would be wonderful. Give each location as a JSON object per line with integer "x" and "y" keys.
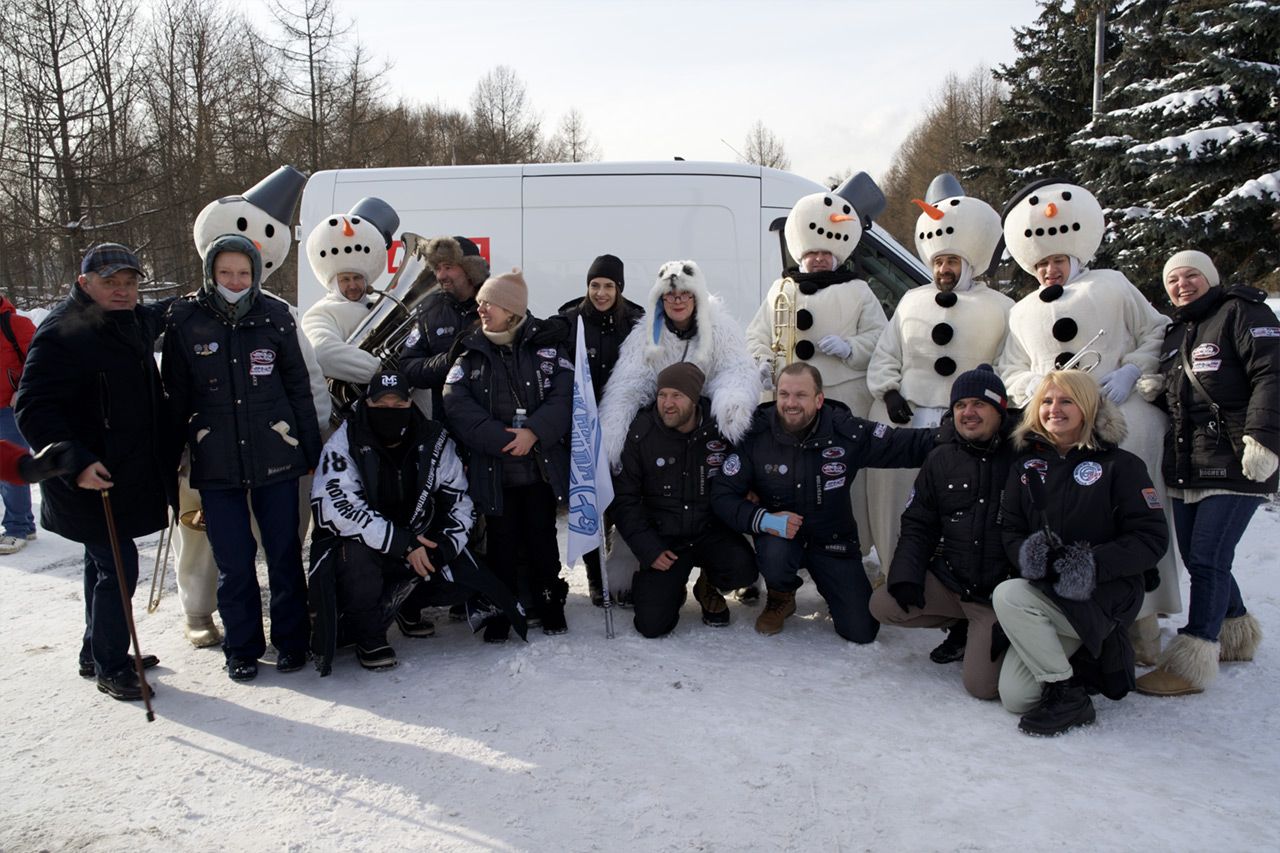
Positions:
{"x": 1196, "y": 260}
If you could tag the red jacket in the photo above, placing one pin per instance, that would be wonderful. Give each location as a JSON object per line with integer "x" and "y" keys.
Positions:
{"x": 11, "y": 361}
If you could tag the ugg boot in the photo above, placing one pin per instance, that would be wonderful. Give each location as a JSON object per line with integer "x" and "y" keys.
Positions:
{"x": 1240, "y": 638}
{"x": 779, "y": 606}
{"x": 1185, "y": 667}
{"x": 202, "y": 632}
{"x": 1144, "y": 634}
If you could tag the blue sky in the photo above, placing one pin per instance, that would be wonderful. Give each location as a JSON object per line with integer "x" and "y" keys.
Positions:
{"x": 841, "y": 83}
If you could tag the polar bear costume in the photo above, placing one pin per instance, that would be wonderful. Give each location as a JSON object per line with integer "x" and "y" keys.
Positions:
{"x": 933, "y": 338}
{"x": 354, "y": 242}
{"x": 829, "y": 303}
{"x": 1052, "y": 324}
{"x": 717, "y": 347}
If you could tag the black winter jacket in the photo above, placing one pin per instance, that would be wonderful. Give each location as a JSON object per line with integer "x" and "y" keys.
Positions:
{"x": 1105, "y": 500}
{"x": 240, "y": 393}
{"x": 472, "y": 392}
{"x": 91, "y": 378}
{"x": 662, "y": 496}
{"x": 1232, "y": 341}
{"x": 954, "y": 509}
{"x": 811, "y": 475}
{"x": 604, "y": 335}
{"x": 427, "y": 356}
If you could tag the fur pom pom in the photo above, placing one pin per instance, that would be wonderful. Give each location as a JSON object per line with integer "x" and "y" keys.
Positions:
{"x": 1033, "y": 556}
{"x": 1077, "y": 573}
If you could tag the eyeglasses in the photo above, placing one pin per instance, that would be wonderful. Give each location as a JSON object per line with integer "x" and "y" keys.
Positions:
{"x": 677, "y": 298}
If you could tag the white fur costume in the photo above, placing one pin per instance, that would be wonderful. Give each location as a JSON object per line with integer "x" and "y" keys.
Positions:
{"x": 1040, "y": 332}
{"x": 928, "y": 343}
{"x": 718, "y": 348}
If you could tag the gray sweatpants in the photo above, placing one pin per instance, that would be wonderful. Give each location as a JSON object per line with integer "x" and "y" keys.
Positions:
{"x": 1042, "y": 641}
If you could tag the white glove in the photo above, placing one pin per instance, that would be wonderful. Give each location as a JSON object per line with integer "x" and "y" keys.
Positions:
{"x": 836, "y": 347}
{"x": 1257, "y": 462}
{"x": 1118, "y": 384}
{"x": 766, "y": 375}
{"x": 1150, "y": 386}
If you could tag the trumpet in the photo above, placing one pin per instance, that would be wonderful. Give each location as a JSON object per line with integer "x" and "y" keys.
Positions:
{"x": 784, "y": 328}
{"x": 1076, "y": 360}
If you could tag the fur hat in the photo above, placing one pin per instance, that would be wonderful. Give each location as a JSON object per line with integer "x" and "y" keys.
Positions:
{"x": 676, "y": 277}
{"x": 461, "y": 252}
{"x": 508, "y": 291}
{"x": 958, "y": 225}
{"x": 982, "y": 383}
{"x": 347, "y": 242}
{"x": 822, "y": 222}
{"x": 1197, "y": 261}
{"x": 1052, "y": 217}
{"x": 606, "y": 266}
{"x": 683, "y": 376}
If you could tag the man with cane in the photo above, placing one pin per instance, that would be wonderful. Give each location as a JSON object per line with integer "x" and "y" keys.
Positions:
{"x": 91, "y": 380}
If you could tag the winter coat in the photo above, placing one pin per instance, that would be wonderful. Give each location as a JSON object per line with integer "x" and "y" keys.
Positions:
{"x": 662, "y": 496}
{"x": 11, "y": 359}
{"x": 240, "y": 393}
{"x": 954, "y": 512}
{"x": 717, "y": 347}
{"x": 428, "y": 350}
{"x": 346, "y": 494}
{"x": 327, "y": 325}
{"x": 605, "y": 333}
{"x": 1104, "y": 500}
{"x": 828, "y": 303}
{"x": 474, "y": 390}
{"x": 1232, "y": 341}
{"x": 91, "y": 379}
{"x": 928, "y": 344}
{"x": 810, "y": 475}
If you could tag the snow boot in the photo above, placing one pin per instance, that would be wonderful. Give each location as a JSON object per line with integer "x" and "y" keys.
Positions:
{"x": 497, "y": 629}
{"x": 777, "y": 608}
{"x": 594, "y": 585}
{"x": 1186, "y": 667}
{"x": 1239, "y": 638}
{"x": 715, "y": 612}
{"x": 201, "y": 632}
{"x": 951, "y": 649}
{"x": 1063, "y": 706}
{"x": 551, "y": 607}
{"x": 376, "y": 656}
{"x": 415, "y": 625}
{"x": 1144, "y": 635}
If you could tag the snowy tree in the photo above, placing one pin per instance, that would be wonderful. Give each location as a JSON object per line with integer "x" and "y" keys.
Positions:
{"x": 1187, "y": 150}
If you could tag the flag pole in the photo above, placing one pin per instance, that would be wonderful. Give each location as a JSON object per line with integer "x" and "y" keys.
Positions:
{"x": 604, "y": 583}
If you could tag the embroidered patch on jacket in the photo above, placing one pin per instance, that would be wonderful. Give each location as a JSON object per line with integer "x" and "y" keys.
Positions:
{"x": 715, "y": 460}
{"x": 1265, "y": 331}
{"x": 834, "y": 469}
{"x": 413, "y": 338}
{"x": 715, "y": 445}
{"x": 1152, "y": 499}
{"x": 547, "y": 352}
{"x": 206, "y": 349}
{"x": 1087, "y": 473}
{"x": 732, "y": 465}
{"x": 880, "y": 430}
{"x": 833, "y": 453}
{"x": 261, "y": 369}
{"x": 566, "y": 364}
{"x": 1206, "y": 366}
{"x": 1205, "y": 351}
{"x": 454, "y": 375}
{"x": 262, "y": 356}
{"x": 833, "y": 484}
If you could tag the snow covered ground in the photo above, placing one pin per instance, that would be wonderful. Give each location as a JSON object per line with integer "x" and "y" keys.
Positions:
{"x": 717, "y": 740}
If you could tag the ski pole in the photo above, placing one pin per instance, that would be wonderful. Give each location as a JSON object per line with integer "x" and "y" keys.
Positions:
{"x": 127, "y": 604}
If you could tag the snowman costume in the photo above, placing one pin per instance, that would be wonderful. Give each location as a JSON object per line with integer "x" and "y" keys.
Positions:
{"x": 354, "y": 242}
{"x": 1052, "y": 324}
{"x": 716, "y": 345}
{"x": 838, "y": 319}
{"x": 262, "y": 214}
{"x": 934, "y": 337}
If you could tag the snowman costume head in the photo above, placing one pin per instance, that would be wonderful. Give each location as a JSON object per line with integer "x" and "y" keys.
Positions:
{"x": 951, "y": 223}
{"x": 1053, "y": 217}
{"x": 262, "y": 215}
{"x": 353, "y": 242}
{"x": 822, "y": 222}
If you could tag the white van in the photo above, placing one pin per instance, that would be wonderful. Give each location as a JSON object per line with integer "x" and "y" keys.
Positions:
{"x": 552, "y": 220}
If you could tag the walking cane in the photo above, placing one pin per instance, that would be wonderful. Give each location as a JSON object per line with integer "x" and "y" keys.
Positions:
{"x": 127, "y": 604}
{"x": 161, "y": 567}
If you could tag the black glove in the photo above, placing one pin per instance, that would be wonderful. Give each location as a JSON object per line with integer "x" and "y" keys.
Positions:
{"x": 1037, "y": 556}
{"x": 1077, "y": 573}
{"x": 907, "y": 595}
{"x": 56, "y": 460}
{"x": 896, "y": 404}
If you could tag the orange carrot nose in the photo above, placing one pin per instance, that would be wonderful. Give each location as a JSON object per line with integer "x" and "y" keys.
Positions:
{"x": 1051, "y": 210}
{"x": 257, "y": 245}
{"x": 929, "y": 209}
{"x": 839, "y": 217}
{"x": 347, "y": 230}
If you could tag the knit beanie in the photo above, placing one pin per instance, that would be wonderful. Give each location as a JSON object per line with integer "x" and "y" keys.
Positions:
{"x": 508, "y": 291}
{"x": 685, "y": 377}
{"x": 606, "y": 266}
{"x": 981, "y": 382}
{"x": 1196, "y": 260}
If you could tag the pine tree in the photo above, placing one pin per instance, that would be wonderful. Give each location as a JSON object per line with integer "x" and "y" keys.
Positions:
{"x": 1185, "y": 153}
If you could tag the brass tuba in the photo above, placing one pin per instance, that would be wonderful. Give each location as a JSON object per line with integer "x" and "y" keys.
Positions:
{"x": 390, "y": 320}
{"x": 784, "y": 328}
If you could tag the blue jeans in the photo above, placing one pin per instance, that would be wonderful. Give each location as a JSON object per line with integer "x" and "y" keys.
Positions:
{"x": 1208, "y": 532}
{"x": 18, "y": 520}
{"x": 106, "y": 633}
{"x": 836, "y": 569}
{"x": 226, "y": 514}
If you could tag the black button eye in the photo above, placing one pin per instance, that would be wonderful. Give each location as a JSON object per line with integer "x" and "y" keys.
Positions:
{"x": 242, "y": 224}
{"x": 270, "y": 230}
{"x": 1034, "y": 200}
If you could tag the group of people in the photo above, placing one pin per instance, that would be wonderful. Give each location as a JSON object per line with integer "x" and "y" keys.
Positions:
{"x": 1017, "y": 491}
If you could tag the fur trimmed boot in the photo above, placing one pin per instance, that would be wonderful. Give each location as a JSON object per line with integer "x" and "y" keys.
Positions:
{"x": 1144, "y": 635}
{"x": 1239, "y": 638}
{"x": 1184, "y": 668}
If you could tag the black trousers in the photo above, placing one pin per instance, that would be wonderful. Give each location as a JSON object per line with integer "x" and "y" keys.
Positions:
{"x": 522, "y": 541}
{"x": 724, "y": 556}
{"x": 371, "y": 585}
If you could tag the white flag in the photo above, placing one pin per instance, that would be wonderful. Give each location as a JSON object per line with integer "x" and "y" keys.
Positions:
{"x": 590, "y": 486}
